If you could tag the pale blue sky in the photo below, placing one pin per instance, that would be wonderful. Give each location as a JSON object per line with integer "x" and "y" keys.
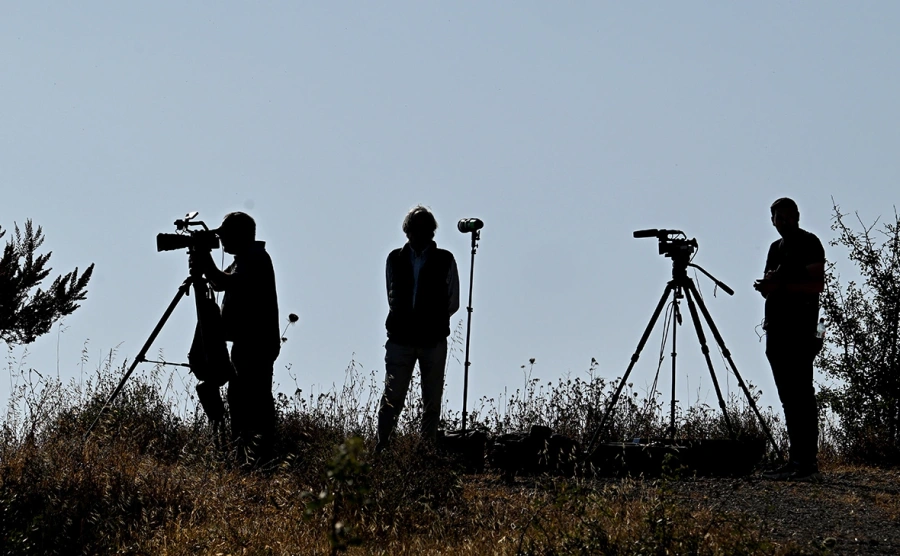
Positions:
{"x": 565, "y": 126}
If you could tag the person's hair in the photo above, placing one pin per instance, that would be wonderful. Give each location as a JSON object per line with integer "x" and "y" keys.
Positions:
{"x": 785, "y": 205}
{"x": 419, "y": 218}
{"x": 239, "y": 224}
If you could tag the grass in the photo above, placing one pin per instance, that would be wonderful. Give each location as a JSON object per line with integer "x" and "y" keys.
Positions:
{"x": 150, "y": 479}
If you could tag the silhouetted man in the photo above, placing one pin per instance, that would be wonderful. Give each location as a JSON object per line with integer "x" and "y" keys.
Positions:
{"x": 423, "y": 293}
{"x": 794, "y": 277}
{"x": 250, "y": 322}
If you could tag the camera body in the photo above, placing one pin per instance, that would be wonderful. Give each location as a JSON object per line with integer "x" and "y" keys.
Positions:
{"x": 677, "y": 247}
{"x": 672, "y": 243}
{"x": 186, "y": 238}
{"x": 200, "y": 240}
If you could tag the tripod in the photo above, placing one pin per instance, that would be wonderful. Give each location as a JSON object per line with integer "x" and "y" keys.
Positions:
{"x": 476, "y": 235}
{"x": 681, "y": 286}
{"x": 201, "y": 292}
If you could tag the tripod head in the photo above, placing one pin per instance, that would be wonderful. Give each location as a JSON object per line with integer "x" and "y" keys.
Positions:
{"x": 676, "y": 245}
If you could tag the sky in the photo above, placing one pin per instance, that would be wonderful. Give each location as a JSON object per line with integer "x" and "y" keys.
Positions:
{"x": 565, "y": 126}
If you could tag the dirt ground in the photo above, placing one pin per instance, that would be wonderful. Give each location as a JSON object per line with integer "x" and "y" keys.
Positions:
{"x": 854, "y": 510}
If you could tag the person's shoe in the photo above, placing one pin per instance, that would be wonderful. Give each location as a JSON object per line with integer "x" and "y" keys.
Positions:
{"x": 793, "y": 471}
{"x": 782, "y": 473}
{"x": 806, "y": 474}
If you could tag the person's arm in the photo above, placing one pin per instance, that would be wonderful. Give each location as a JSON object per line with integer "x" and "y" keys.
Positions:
{"x": 219, "y": 279}
{"x": 453, "y": 287}
{"x": 814, "y": 283}
{"x": 766, "y": 285}
{"x": 203, "y": 263}
{"x": 388, "y": 278}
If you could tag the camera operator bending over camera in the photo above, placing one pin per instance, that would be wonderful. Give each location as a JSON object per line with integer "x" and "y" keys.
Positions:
{"x": 250, "y": 321}
{"x": 794, "y": 277}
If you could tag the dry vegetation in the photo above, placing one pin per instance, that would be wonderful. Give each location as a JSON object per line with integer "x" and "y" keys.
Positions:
{"x": 150, "y": 480}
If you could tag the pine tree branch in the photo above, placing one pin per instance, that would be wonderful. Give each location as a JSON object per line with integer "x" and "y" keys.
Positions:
{"x": 26, "y": 310}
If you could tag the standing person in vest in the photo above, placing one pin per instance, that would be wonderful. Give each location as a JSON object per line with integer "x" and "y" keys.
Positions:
{"x": 423, "y": 293}
{"x": 250, "y": 322}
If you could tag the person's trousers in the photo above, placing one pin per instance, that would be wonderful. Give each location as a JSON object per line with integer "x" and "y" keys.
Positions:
{"x": 251, "y": 405}
{"x": 399, "y": 362}
{"x": 791, "y": 358}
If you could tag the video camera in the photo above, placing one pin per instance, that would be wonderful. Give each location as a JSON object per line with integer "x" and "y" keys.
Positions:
{"x": 193, "y": 240}
{"x": 670, "y": 244}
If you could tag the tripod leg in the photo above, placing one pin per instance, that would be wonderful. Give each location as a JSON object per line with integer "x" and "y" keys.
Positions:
{"x": 676, "y": 321}
{"x": 182, "y": 291}
{"x": 634, "y": 358}
{"x": 705, "y": 349}
{"x": 727, "y": 354}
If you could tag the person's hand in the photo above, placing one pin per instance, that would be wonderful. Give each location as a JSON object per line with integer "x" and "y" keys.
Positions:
{"x": 765, "y": 286}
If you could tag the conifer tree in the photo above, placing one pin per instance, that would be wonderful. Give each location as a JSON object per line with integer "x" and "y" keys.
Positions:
{"x": 26, "y": 310}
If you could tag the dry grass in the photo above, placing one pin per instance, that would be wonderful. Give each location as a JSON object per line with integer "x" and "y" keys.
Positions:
{"x": 150, "y": 480}
{"x": 115, "y": 500}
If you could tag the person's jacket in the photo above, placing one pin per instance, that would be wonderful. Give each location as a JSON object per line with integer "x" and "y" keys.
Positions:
{"x": 420, "y": 309}
{"x": 250, "y": 303}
